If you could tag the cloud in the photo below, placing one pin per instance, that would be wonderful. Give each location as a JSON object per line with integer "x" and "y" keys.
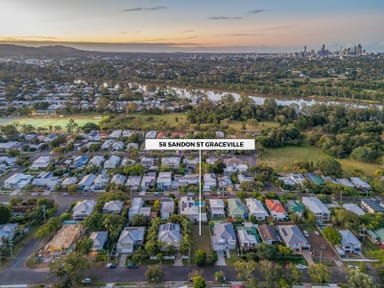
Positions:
{"x": 257, "y": 11}
{"x": 225, "y": 18}
{"x": 137, "y": 9}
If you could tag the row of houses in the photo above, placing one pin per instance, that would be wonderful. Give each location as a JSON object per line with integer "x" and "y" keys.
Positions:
{"x": 297, "y": 179}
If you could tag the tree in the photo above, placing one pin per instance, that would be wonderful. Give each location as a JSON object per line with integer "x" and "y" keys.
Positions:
{"x": 71, "y": 125}
{"x": 358, "y": 279}
{"x": 5, "y": 214}
{"x": 200, "y": 257}
{"x": 139, "y": 220}
{"x": 219, "y": 276}
{"x": 154, "y": 274}
{"x": 245, "y": 269}
{"x": 85, "y": 245}
{"x": 330, "y": 167}
{"x": 332, "y": 235}
{"x": 113, "y": 224}
{"x": 319, "y": 273}
{"x": 89, "y": 126}
{"x": 198, "y": 282}
{"x": 68, "y": 270}
{"x": 48, "y": 228}
{"x": 270, "y": 270}
{"x": 266, "y": 251}
{"x": 294, "y": 275}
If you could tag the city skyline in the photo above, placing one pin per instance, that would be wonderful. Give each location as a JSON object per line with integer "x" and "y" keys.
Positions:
{"x": 185, "y": 26}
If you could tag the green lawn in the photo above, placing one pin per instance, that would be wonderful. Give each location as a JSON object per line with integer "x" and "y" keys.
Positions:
{"x": 282, "y": 159}
{"x": 202, "y": 242}
{"x": 46, "y": 121}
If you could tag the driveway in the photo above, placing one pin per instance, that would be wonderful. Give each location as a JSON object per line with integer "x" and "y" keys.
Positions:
{"x": 221, "y": 259}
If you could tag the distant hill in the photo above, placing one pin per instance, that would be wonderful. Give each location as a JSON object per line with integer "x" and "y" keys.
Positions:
{"x": 7, "y": 50}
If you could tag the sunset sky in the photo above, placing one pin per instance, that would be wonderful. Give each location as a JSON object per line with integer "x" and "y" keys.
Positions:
{"x": 195, "y": 25}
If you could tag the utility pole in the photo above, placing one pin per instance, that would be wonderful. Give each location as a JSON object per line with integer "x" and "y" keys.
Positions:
{"x": 44, "y": 207}
{"x": 10, "y": 243}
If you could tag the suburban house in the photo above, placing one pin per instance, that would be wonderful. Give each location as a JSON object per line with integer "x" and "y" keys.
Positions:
{"x": 171, "y": 162}
{"x": 360, "y": 184}
{"x": 17, "y": 181}
{"x": 189, "y": 179}
{"x": 86, "y": 182}
{"x": 223, "y": 237}
{"x": 191, "y": 164}
{"x": 99, "y": 239}
{"x": 246, "y": 236}
{"x": 83, "y": 209}
{"x": 113, "y": 207}
{"x": 151, "y": 134}
{"x": 236, "y": 208}
{"x": 69, "y": 181}
{"x": 170, "y": 234}
{"x": 217, "y": 208}
{"x": 41, "y": 163}
{"x": 130, "y": 239}
{"x": 209, "y": 182}
{"x": 7, "y": 231}
{"x": 138, "y": 209}
{"x": 97, "y": 160}
{"x": 46, "y": 179}
{"x": 351, "y": 207}
{"x": 118, "y": 179}
{"x": 256, "y": 208}
{"x": 349, "y": 242}
{"x": 293, "y": 237}
{"x": 133, "y": 182}
{"x": 276, "y": 209}
{"x": 80, "y": 161}
{"x": 118, "y": 146}
{"x": 372, "y": 205}
{"x": 188, "y": 208}
{"x": 100, "y": 182}
{"x": 148, "y": 181}
{"x": 295, "y": 207}
{"x": 268, "y": 234}
{"x": 147, "y": 162}
{"x": 112, "y": 162}
{"x": 64, "y": 241}
{"x": 317, "y": 207}
{"x": 107, "y": 144}
{"x": 164, "y": 180}
{"x": 167, "y": 208}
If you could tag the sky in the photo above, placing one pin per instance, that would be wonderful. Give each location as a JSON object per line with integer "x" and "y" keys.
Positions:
{"x": 194, "y": 25}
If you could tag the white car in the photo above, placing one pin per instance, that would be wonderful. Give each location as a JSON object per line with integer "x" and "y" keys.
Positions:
{"x": 306, "y": 234}
{"x": 301, "y": 266}
{"x": 86, "y": 281}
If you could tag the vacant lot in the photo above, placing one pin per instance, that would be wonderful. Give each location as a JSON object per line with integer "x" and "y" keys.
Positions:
{"x": 283, "y": 158}
{"x": 202, "y": 242}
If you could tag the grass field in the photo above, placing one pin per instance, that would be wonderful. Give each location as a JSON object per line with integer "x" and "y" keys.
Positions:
{"x": 202, "y": 242}
{"x": 46, "y": 121}
{"x": 282, "y": 159}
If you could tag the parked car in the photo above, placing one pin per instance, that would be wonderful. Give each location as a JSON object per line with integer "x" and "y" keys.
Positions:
{"x": 301, "y": 266}
{"x": 110, "y": 266}
{"x": 34, "y": 194}
{"x": 131, "y": 265}
{"x": 352, "y": 267}
{"x": 317, "y": 233}
{"x": 86, "y": 281}
{"x": 306, "y": 234}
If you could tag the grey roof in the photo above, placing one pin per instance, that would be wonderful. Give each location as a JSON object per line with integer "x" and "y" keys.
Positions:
{"x": 348, "y": 239}
{"x": 292, "y": 236}
{"x": 315, "y": 205}
{"x": 84, "y": 207}
{"x": 99, "y": 238}
{"x": 113, "y": 206}
{"x": 131, "y": 235}
{"x": 170, "y": 233}
{"x": 224, "y": 232}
